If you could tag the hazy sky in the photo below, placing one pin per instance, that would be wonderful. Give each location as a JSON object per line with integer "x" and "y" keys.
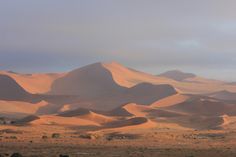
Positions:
{"x": 197, "y": 36}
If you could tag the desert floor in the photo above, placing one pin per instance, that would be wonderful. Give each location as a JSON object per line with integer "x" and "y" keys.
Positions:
{"x": 39, "y": 141}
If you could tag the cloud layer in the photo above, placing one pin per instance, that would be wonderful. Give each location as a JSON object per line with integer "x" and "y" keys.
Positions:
{"x": 151, "y": 35}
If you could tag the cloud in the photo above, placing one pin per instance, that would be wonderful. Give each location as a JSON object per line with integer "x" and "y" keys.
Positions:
{"x": 152, "y": 34}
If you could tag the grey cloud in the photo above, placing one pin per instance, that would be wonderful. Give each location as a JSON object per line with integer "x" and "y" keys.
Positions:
{"x": 152, "y": 35}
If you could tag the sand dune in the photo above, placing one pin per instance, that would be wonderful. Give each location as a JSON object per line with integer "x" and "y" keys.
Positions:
{"x": 87, "y": 115}
{"x": 128, "y": 77}
{"x": 98, "y": 118}
{"x": 97, "y": 88}
{"x": 196, "y": 112}
{"x": 20, "y": 107}
{"x": 34, "y": 83}
{"x": 25, "y": 120}
{"x": 127, "y": 122}
{"x": 142, "y": 94}
{"x": 102, "y": 77}
{"x": 137, "y": 110}
{"x": 223, "y": 95}
{"x": 198, "y": 122}
{"x": 129, "y": 126}
{"x": 191, "y": 84}
{"x": 10, "y": 90}
{"x": 89, "y": 81}
{"x": 74, "y": 113}
{"x": 170, "y": 100}
{"x": 118, "y": 112}
{"x": 146, "y": 93}
{"x": 204, "y": 106}
{"x": 150, "y": 112}
{"x": 58, "y": 120}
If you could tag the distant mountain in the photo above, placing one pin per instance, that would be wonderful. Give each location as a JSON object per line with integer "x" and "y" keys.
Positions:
{"x": 177, "y": 75}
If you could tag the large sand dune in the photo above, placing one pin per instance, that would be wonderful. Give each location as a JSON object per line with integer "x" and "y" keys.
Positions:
{"x": 98, "y": 89}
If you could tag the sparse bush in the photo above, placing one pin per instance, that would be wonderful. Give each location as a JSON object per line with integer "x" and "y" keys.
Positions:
{"x": 88, "y": 136}
{"x": 63, "y": 155}
{"x": 16, "y": 155}
{"x": 55, "y": 135}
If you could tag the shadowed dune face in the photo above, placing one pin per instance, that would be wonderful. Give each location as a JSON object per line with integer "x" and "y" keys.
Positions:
{"x": 26, "y": 120}
{"x": 73, "y": 113}
{"x": 90, "y": 81}
{"x": 223, "y": 95}
{"x": 146, "y": 93}
{"x": 202, "y": 106}
{"x": 127, "y": 122}
{"x": 10, "y": 90}
{"x": 198, "y": 122}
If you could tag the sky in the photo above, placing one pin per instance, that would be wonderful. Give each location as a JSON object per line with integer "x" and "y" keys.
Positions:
{"x": 197, "y": 36}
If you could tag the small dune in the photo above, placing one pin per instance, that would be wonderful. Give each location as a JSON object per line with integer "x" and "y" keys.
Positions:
{"x": 34, "y": 83}
{"x": 98, "y": 118}
{"x": 64, "y": 121}
{"x": 26, "y": 120}
{"x": 127, "y": 122}
{"x": 137, "y": 110}
{"x": 74, "y": 113}
{"x": 20, "y": 107}
{"x": 223, "y": 95}
{"x": 170, "y": 100}
{"x": 87, "y": 115}
{"x": 204, "y": 106}
{"x": 199, "y": 122}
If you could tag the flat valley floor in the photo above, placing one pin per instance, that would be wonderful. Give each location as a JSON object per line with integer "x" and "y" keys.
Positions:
{"x": 53, "y": 141}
